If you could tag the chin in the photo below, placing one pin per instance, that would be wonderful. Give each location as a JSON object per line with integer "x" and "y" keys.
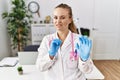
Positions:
{"x": 58, "y": 28}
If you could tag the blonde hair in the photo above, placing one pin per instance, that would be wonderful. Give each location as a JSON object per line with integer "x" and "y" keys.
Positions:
{"x": 72, "y": 26}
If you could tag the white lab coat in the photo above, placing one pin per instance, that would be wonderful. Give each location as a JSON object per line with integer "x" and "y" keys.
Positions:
{"x": 61, "y": 67}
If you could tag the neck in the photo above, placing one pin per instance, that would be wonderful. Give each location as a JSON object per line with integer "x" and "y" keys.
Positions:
{"x": 62, "y": 35}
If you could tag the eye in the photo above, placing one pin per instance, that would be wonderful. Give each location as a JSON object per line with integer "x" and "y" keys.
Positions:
{"x": 62, "y": 17}
{"x": 55, "y": 17}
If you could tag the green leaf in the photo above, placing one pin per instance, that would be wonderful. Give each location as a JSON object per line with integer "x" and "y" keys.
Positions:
{"x": 4, "y": 15}
{"x": 18, "y": 17}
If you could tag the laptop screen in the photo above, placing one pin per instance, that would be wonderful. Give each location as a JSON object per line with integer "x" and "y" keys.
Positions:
{"x": 27, "y": 58}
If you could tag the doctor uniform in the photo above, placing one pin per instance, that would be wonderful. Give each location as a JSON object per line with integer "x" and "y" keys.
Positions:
{"x": 61, "y": 67}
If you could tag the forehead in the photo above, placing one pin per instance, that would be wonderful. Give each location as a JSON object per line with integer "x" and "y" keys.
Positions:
{"x": 61, "y": 11}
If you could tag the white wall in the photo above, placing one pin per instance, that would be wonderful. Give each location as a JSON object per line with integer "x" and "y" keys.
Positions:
{"x": 100, "y": 14}
{"x": 84, "y": 13}
{"x": 4, "y": 40}
{"x": 82, "y": 9}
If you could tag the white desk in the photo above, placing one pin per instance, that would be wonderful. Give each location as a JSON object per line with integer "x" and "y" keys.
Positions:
{"x": 95, "y": 74}
{"x": 31, "y": 73}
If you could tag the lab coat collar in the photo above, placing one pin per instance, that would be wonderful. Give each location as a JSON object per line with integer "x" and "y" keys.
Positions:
{"x": 67, "y": 41}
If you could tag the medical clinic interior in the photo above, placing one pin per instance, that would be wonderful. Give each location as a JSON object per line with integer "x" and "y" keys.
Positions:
{"x": 24, "y": 23}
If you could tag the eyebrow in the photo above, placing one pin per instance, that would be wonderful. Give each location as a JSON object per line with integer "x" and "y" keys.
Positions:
{"x": 62, "y": 15}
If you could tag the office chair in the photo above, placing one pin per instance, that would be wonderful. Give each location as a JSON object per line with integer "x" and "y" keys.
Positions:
{"x": 31, "y": 48}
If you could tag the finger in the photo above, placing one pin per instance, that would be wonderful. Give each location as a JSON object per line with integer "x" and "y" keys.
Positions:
{"x": 85, "y": 36}
{"x": 86, "y": 40}
{"x": 81, "y": 40}
{"x": 90, "y": 43}
{"x": 77, "y": 46}
{"x": 59, "y": 42}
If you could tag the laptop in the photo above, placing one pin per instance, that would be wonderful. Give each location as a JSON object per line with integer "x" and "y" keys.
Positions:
{"x": 27, "y": 58}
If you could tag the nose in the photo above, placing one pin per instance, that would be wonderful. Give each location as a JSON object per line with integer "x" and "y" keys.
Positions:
{"x": 58, "y": 20}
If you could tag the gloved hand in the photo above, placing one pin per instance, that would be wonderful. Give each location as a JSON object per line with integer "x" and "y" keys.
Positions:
{"x": 54, "y": 46}
{"x": 83, "y": 47}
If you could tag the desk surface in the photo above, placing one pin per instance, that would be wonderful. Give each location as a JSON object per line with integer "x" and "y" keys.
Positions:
{"x": 95, "y": 74}
{"x": 31, "y": 73}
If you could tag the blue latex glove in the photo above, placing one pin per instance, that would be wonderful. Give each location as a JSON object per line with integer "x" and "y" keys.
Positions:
{"x": 83, "y": 47}
{"x": 54, "y": 46}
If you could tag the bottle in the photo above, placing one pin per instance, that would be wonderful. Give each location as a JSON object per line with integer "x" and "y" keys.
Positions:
{"x": 76, "y": 21}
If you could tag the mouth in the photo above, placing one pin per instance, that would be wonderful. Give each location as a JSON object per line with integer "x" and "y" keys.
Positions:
{"x": 58, "y": 25}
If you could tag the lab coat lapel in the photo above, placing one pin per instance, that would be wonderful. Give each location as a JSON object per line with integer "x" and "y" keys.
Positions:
{"x": 67, "y": 41}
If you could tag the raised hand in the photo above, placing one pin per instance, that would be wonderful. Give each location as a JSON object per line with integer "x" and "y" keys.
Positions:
{"x": 83, "y": 47}
{"x": 54, "y": 46}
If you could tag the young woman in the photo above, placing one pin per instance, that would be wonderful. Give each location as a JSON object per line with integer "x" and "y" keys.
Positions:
{"x": 64, "y": 55}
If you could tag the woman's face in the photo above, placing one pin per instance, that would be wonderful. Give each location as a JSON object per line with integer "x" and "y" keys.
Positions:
{"x": 61, "y": 19}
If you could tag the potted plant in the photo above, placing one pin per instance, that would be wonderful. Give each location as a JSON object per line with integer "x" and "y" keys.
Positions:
{"x": 20, "y": 70}
{"x": 18, "y": 20}
{"x": 85, "y": 31}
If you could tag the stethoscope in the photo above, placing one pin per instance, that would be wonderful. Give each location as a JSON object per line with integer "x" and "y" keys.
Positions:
{"x": 73, "y": 54}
